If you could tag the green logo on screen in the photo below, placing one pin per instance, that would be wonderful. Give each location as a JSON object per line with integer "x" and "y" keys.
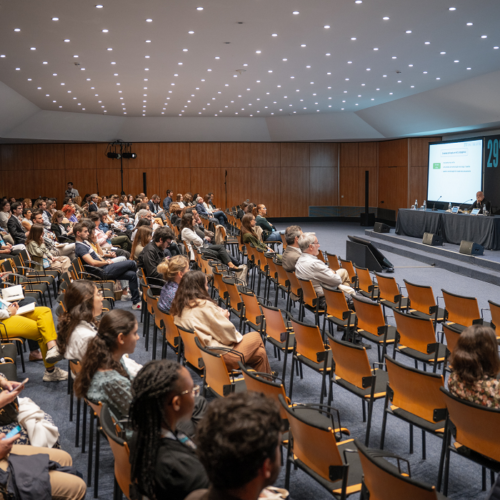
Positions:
{"x": 436, "y": 165}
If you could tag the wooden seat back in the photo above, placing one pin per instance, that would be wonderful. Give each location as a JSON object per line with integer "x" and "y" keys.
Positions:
{"x": 333, "y": 261}
{"x": 477, "y": 426}
{"x": 347, "y": 265}
{"x": 461, "y": 310}
{"x": 219, "y": 284}
{"x": 309, "y": 295}
{"x": 165, "y": 321}
{"x": 336, "y": 303}
{"x": 384, "y": 482}
{"x": 388, "y": 288}
{"x": 365, "y": 281}
{"x": 321, "y": 257}
{"x": 415, "y": 391}
{"x": 452, "y": 335}
{"x": 253, "y": 312}
{"x": 370, "y": 316}
{"x": 415, "y": 333}
{"x": 308, "y": 340}
{"x": 421, "y": 298}
{"x": 275, "y": 324}
{"x": 282, "y": 275}
{"x": 233, "y": 292}
{"x": 294, "y": 284}
{"x": 192, "y": 353}
{"x": 495, "y": 314}
{"x": 351, "y": 361}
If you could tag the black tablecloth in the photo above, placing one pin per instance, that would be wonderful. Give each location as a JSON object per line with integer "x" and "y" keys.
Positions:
{"x": 452, "y": 227}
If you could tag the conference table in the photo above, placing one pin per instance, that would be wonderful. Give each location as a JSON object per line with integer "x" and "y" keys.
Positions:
{"x": 452, "y": 227}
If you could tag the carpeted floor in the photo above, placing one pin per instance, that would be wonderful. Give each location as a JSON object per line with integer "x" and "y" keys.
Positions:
{"x": 465, "y": 477}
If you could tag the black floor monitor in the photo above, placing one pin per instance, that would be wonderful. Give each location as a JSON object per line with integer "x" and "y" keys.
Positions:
{"x": 372, "y": 258}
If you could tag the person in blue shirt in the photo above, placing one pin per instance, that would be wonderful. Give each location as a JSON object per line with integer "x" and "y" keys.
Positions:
{"x": 167, "y": 200}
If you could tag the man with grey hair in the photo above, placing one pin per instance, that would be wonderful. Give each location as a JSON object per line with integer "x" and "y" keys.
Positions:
{"x": 309, "y": 267}
{"x": 93, "y": 203}
{"x": 292, "y": 251}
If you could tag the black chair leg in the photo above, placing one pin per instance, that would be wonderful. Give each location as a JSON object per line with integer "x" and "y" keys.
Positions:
{"x": 424, "y": 454}
{"x": 411, "y": 438}
{"x": 84, "y": 427}
{"x": 78, "y": 406}
{"x": 91, "y": 447}
{"x": 155, "y": 338}
{"x": 97, "y": 449}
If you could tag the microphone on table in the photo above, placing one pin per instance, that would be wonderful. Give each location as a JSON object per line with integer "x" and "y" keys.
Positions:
{"x": 466, "y": 201}
{"x": 434, "y": 206}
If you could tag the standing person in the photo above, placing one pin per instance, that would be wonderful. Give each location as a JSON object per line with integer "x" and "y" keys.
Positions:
{"x": 172, "y": 271}
{"x": 42, "y": 255}
{"x": 163, "y": 457}
{"x": 194, "y": 309}
{"x": 167, "y": 200}
{"x": 71, "y": 192}
{"x": 117, "y": 270}
{"x": 15, "y": 226}
{"x": 269, "y": 232}
{"x": 239, "y": 442}
{"x": 475, "y": 367}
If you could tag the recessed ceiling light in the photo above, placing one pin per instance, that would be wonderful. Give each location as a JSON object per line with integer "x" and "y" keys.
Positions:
{"x": 468, "y": 69}
{"x": 149, "y": 20}
{"x": 469, "y": 24}
{"x": 274, "y": 34}
{"x": 2, "y": 55}
{"x": 349, "y": 62}
{"x": 484, "y": 36}
{"x": 67, "y": 40}
{"x": 375, "y": 48}
{"x": 55, "y": 19}
{"x": 384, "y": 76}
{"x": 199, "y": 8}
{"x": 442, "y": 53}
{"x": 327, "y": 54}
{"x": 191, "y": 32}
{"x": 438, "y": 78}
{"x": 105, "y": 31}
{"x": 368, "y": 69}
{"x": 427, "y": 43}
{"x": 425, "y": 72}
{"x": 295, "y": 12}
{"x": 39, "y": 88}
{"x": 285, "y": 59}
{"x": 399, "y": 81}
{"x": 18, "y": 69}
{"x": 390, "y": 93}
{"x": 270, "y": 71}
{"x": 17, "y": 29}
{"x": 452, "y": 8}
{"x": 353, "y": 38}
{"x": 98, "y": 6}
{"x": 408, "y": 31}
{"x": 410, "y": 65}
{"x": 308, "y": 67}
{"x": 394, "y": 57}
{"x": 326, "y": 27}
{"x": 75, "y": 56}
{"x": 358, "y": 1}
{"x": 362, "y": 84}
{"x": 412, "y": 86}
{"x": 258, "y": 51}
{"x": 33, "y": 48}
{"x": 456, "y": 61}
{"x": 496, "y": 48}
{"x": 45, "y": 62}
{"x": 303, "y": 45}
{"x": 385, "y": 18}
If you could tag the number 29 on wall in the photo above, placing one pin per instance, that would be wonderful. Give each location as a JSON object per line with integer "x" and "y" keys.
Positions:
{"x": 492, "y": 153}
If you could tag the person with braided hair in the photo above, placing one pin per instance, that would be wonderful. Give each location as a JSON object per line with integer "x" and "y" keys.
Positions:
{"x": 163, "y": 457}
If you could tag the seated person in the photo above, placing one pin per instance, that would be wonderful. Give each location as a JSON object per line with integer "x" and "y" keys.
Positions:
{"x": 118, "y": 270}
{"x": 240, "y": 212}
{"x": 188, "y": 200}
{"x": 179, "y": 200}
{"x": 61, "y": 229}
{"x": 69, "y": 210}
{"x": 143, "y": 236}
{"x": 248, "y": 235}
{"x": 15, "y": 226}
{"x": 63, "y": 485}
{"x": 193, "y": 308}
{"x": 163, "y": 457}
{"x": 50, "y": 240}
{"x": 41, "y": 255}
{"x": 309, "y": 267}
{"x": 4, "y": 213}
{"x": 93, "y": 203}
{"x": 199, "y": 227}
{"x": 106, "y": 225}
{"x": 37, "y": 325}
{"x": 189, "y": 236}
{"x": 269, "y": 232}
{"x": 154, "y": 252}
{"x": 167, "y": 200}
{"x": 476, "y": 366}
{"x": 481, "y": 202}
{"x": 26, "y": 220}
{"x": 102, "y": 238}
{"x": 292, "y": 251}
{"x": 239, "y": 444}
{"x": 6, "y": 249}
{"x": 175, "y": 214}
{"x": 203, "y": 212}
{"x": 172, "y": 271}
{"x": 214, "y": 212}
{"x": 155, "y": 207}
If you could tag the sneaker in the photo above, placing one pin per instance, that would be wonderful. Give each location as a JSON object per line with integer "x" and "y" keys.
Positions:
{"x": 55, "y": 375}
{"x": 137, "y": 306}
{"x": 53, "y": 355}
{"x": 126, "y": 296}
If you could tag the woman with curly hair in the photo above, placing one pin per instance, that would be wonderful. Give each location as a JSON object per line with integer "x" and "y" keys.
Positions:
{"x": 163, "y": 457}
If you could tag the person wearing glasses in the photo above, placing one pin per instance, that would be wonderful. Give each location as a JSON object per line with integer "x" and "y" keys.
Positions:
{"x": 162, "y": 415}
{"x": 269, "y": 232}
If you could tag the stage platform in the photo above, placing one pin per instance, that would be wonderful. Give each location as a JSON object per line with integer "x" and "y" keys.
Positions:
{"x": 485, "y": 268}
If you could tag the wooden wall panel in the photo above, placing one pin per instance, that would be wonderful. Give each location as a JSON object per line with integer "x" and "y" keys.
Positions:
{"x": 419, "y": 150}
{"x": 393, "y": 153}
{"x": 109, "y": 181}
{"x": 80, "y": 157}
{"x": 418, "y": 184}
{"x": 16, "y": 157}
{"x": 147, "y": 156}
{"x": 238, "y": 182}
{"x": 294, "y": 192}
{"x": 133, "y": 181}
{"x": 368, "y": 154}
{"x": 48, "y": 156}
{"x": 178, "y": 179}
{"x": 10, "y": 185}
{"x": 206, "y": 180}
{"x": 323, "y": 186}
{"x": 174, "y": 155}
{"x": 349, "y": 154}
{"x": 349, "y": 186}
{"x": 401, "y": 188}
{"x": 83, "y": 179}
{"x": 294, "y": 155}
{"x": 373, "y": 189}
{"x": 51, "y": 183}
{"x": 265, "y": 154}
{"x": 386, "y": 187}
{"x": 205, "y": 155}
{"x": 102, "y": 161}
{"x": 236, "y": 154}
{"x": 265, "y": 188}
{"x": 324, "y": 155}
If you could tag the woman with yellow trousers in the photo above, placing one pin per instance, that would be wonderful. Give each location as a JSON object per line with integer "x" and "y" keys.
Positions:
{"x": 37, "y": 325}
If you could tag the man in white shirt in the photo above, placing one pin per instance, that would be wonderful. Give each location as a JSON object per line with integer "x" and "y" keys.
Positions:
{"x": 71, "y": 192}
{"x": 309, "y": 267}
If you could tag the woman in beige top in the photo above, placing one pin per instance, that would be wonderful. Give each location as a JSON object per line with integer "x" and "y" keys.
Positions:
{"x": 193, "y": 308}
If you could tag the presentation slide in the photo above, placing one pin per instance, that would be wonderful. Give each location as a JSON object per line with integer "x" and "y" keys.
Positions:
{"x": 455, "y": 171}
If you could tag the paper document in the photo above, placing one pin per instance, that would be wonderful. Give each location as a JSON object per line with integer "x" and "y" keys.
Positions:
{"x": 13, "y": 293}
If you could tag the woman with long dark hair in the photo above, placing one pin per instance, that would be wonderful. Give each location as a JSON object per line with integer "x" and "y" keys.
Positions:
{"x": 163, "y": 457}
{"x": 103, "y": 376}
{"x": 476, "y": 366}
{"x": 78, "y": 324}
{"x": 193, "y": 308}
{"x": 141, "y": 239}
{"x": 41, "y": 254}
{"x": 248, "y": 234}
